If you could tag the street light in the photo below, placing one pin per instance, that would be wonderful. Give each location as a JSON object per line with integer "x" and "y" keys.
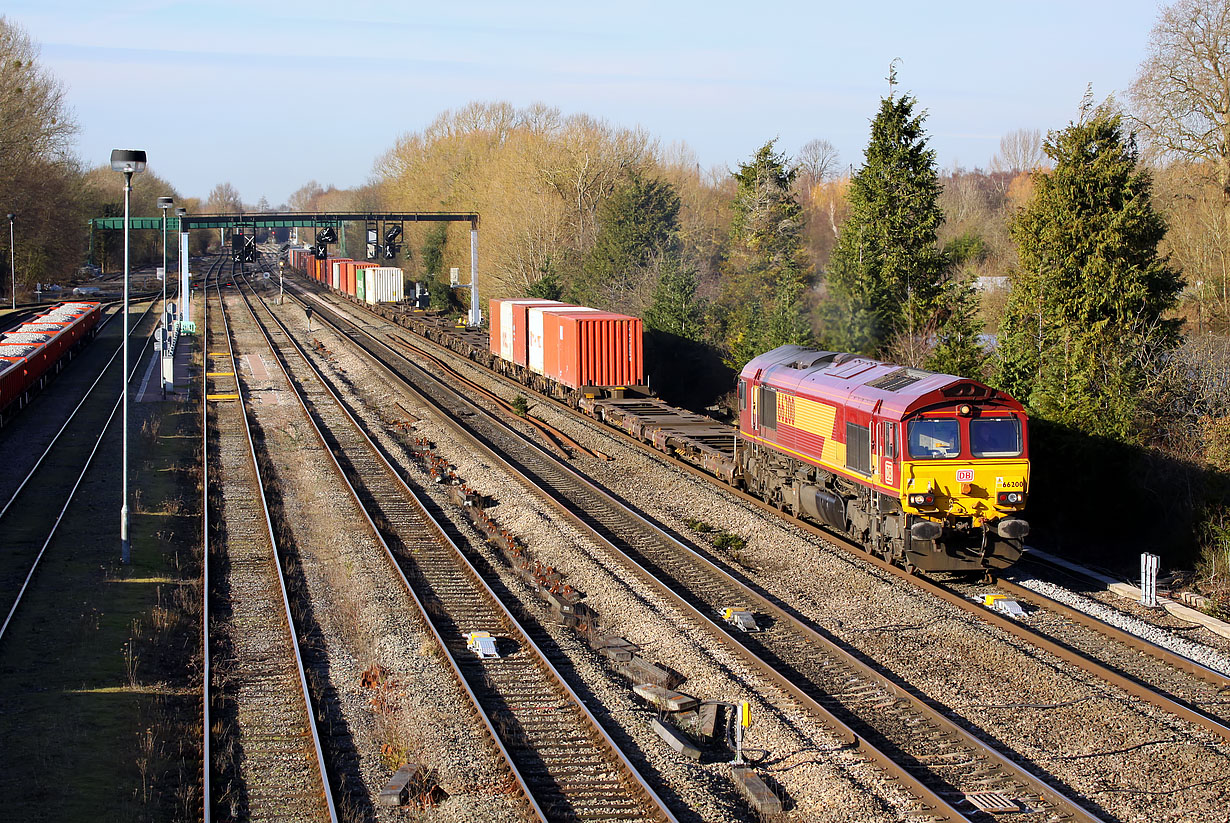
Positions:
{"x": 127, "y": 162}
{"x": 181, "y": 213}
{"x": 164, "y": 203}
{"x": 13, "y": 260}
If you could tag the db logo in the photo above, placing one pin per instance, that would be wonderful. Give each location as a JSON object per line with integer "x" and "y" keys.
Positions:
{"x": 965, "y": 475}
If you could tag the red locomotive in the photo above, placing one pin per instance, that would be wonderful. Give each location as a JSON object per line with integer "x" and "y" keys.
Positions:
{"x": 36, "y": 350}
{"x": 928, "y": 470}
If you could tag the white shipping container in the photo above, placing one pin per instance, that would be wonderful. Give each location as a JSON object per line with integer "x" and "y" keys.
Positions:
{"x": 384, "y": 284}
{"x": 337, "y": 276}
{"x": 534, "y": 326}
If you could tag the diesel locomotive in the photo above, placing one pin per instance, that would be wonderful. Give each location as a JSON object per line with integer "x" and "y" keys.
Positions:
{"x": 927, "y": 470}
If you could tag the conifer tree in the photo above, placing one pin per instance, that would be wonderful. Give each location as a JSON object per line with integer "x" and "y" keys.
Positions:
{"x": 765, "y": 278}
{"x": 886, "y": 271}
{"x": 957, "y": 347}
{"x": 1088, "y": 302}
{"x": 638, "y": 230}
{"x": 675, "y": 308}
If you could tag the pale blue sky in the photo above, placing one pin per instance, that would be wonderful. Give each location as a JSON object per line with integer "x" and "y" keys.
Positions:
{"x": 317, "y": 90}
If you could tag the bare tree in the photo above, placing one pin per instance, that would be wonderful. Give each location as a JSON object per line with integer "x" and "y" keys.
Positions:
{"x": 1019, "y": 151}
{"x": 224, "y": 198}
{"x": 1182, "y": 92}
{"x": 817, "y": 161}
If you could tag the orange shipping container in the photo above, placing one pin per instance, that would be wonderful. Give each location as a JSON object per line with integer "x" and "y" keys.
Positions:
{"x": 592, "y": 348}
{"x": 509, "y": 332}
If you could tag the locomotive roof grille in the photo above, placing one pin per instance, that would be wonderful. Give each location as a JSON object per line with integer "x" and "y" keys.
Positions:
{"x": 899, "y": 379}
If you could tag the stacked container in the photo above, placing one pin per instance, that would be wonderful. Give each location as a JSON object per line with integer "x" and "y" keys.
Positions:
{"x": 384, "y": 284}
{"x": 335, "y": 269}
{"x": 509, "y": 327}
{"x": 578, "y": 346}
{"x": 360, "y": 280}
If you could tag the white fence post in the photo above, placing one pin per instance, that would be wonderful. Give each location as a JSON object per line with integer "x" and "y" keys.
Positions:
{"x": 1149, "y": 564}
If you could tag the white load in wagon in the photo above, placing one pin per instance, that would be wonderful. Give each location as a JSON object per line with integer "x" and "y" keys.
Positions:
{"x": 384, "y": 284}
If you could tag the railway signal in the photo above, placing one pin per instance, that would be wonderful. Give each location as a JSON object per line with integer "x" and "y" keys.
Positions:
{"x": 391, "y": 246}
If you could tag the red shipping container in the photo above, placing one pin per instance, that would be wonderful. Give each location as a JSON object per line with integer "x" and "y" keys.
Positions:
{"x": 592, "y": 348}
{"x": 509, "y": 337}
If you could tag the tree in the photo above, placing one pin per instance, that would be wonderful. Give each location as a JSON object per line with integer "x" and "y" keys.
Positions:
{"x": 1019, "y": 151}
{"x": 766, "y": 275}
{"x": 637, "y": 230}
{"x": 886, "y": 271}
{"x": 675, "y": 308}
{"x": 40, "y": 180}
{"x": 1181, "y": 93}
{"x": 958, "y": 349}
{"x": 1086, "y": 314}
{"x": 224, "y": 199}
{"x": 817, "y": 161}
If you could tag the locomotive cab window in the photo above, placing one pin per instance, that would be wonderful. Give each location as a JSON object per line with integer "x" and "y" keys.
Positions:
{"x": 995, "y": 437}
{"x": 934, "y": 438}
{"x": 742, "y": 395}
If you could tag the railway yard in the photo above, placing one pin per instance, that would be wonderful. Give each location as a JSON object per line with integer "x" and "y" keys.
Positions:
{"x": 373, "y": 579}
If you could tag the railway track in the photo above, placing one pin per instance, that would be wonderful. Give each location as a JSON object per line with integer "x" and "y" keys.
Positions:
{"x": 1145, "y": 670}
{"x": 29, "y": 517}
{"x": 266, "y": 746}
{"x": 954, "y": 774}
{"x": 567, "y": 764}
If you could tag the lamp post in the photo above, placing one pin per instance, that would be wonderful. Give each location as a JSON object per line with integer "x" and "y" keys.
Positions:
{"x": 181, "y": 213}
{"x": 13, "y": 259}
{"x": 281, "y": 263}
{"x": 127, "y": 162}
{"x": 164, "y": 203}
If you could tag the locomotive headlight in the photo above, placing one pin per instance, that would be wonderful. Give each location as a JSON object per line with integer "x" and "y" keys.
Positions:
{"x": 922, "y": 500}
{"x": 1010, "y": 498}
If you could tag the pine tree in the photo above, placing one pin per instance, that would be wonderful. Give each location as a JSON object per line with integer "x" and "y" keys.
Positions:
{"x": 765, "y": 278}
{"x": 1088, "y": 302}
{"x": 637, "y": 231}
{"x": 958, "y": 349}
{"x": 675, "y": 308}
{"x": 886, "y": 271}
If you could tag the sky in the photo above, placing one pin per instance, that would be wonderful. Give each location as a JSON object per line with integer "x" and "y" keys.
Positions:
{"x": 270, "y": 95}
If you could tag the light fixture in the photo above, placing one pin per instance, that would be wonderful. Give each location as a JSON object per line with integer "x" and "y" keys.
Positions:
{"x": 127, "y": 162}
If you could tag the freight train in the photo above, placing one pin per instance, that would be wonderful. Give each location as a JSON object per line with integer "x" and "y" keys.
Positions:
{"x": 38, "y": 349}
{"x": 366, "y": 282}
{"x": 929, "y": 471}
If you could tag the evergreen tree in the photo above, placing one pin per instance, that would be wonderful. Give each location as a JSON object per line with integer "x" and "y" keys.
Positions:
{"x": 637, "y": 231}
{"x": 675, "y": 308}
{"x": 957, "y": 347}
{"x": 1087, "y": 305}
{"x": 546, "y": 287}
{"x": 765, "y": 277}
{"x": 886, "y": 271}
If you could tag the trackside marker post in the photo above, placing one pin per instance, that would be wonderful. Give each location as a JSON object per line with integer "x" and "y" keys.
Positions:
{"x": 1149, "y": 564}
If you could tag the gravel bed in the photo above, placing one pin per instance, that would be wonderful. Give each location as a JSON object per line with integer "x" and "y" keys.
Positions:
{"x": 1131, "y": 760}
{"x": 822, "y": 779}
{"x": 364, "y": 618}
{"x": 1158, "y": 635}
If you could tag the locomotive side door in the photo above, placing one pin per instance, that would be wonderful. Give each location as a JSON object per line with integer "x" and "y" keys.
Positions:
{"x": 753, "y": 389}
